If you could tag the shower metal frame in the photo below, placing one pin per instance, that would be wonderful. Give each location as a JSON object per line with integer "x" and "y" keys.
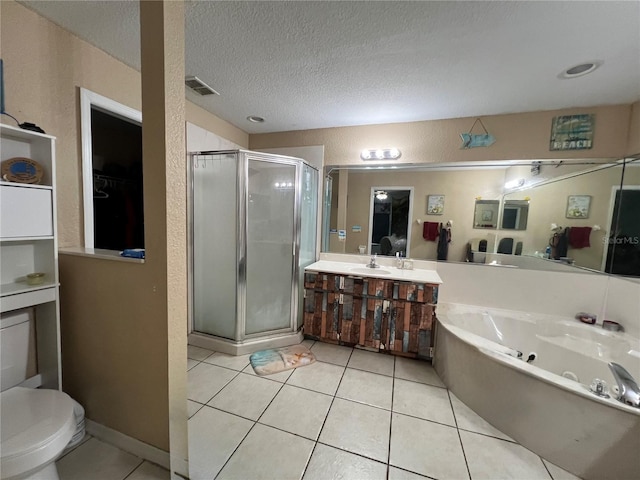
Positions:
{"x": 242, "y": 180}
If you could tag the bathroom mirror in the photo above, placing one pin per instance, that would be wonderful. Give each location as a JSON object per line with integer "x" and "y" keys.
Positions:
{"x": 514, "y": 214}
{"x": 486, "y": 214}
{"x": 545, "y": 192}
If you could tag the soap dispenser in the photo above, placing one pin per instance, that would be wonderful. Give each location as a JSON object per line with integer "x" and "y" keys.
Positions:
{"x": 398, "y": 260}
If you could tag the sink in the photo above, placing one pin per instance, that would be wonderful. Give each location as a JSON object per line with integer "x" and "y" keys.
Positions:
{"x": 369, "y": 271}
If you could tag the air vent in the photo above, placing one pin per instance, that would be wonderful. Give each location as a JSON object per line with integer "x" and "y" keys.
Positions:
{"x": 198, "y": 86}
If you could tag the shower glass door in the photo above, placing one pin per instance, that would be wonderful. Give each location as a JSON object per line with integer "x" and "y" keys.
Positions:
{"x": 271, "y": 231}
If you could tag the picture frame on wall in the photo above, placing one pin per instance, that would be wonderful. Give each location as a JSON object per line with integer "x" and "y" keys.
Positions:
{"x": 578, "y": 206}
{"x": 435, "y": 204}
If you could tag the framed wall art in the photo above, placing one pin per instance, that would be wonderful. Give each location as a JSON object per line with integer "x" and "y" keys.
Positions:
{"x": 435, "y": 204}
{"x": 578, "y": 206}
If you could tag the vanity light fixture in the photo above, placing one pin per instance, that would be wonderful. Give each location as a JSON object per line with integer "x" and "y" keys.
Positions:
{"x": 518, "y": 182}
{"x": 381, "y": 195}
{"x": 380, "y": 154}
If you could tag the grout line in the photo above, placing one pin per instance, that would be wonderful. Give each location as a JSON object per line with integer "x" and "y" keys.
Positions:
{"x": 546, "y": 468}
{"x": 137, "y": 467}
{"x": 235, "y": 449}
{"x": 325, "y": 418}
{"x": 354, "y": 453}
{"x": 513, "y": 442}
{"x": 393, "y": 387}
{"x": 459, "y": 436}
{"x": 223, "y": 387}
{"x": 411, "y": 471}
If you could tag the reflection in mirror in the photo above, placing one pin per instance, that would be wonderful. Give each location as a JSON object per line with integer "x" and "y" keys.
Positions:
{"x": 515, "y": 214}
{"x": 389, "y": 220}
{"x": 546, "y": 190}
{"x": 486, "y": 214}
{"x": 623, "y": 249}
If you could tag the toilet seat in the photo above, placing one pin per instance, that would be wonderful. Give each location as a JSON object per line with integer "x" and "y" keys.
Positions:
{"x": 36, "y": 427}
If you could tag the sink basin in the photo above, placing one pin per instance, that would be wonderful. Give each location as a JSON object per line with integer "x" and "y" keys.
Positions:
{"x": 370, "y": 271}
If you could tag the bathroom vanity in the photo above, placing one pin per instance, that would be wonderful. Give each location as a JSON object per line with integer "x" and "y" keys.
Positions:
{"x": 384, "y": 308}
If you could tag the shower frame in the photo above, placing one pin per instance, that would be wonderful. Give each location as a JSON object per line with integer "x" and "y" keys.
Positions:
{"x": 245, "y": 343}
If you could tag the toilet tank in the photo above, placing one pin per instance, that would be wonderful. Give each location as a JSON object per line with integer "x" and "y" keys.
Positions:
{"x": 17, "y": 347}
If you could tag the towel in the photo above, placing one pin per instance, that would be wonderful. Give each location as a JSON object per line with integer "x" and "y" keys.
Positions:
{"x": 133, "y": 252}
{"x": 579, "y": 237}
{"x": 443, "y": 243}
{"x": 430, "y": 231}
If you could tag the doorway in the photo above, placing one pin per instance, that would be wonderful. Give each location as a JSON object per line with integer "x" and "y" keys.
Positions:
{"x": 391, "y": 210}
{"x": 623, "y": 249}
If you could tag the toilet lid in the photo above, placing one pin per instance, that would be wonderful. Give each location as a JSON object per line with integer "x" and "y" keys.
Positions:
{"x": 32, "y": 420}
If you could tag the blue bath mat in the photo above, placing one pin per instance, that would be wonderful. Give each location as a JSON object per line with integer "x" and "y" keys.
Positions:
{"x": 267, "y": 362}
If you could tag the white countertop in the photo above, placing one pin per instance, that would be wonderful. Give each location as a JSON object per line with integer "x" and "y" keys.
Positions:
{"x": 346, "y": 268}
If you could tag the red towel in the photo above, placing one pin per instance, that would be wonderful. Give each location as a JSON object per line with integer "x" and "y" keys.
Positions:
{"x": 430, "y": 231}
{"x": 579, "y": 237}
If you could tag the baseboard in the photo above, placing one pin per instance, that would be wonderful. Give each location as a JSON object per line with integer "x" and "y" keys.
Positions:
{"x": 128, "y": 444}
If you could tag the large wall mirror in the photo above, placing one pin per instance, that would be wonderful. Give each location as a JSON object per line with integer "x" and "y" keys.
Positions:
{"x": 559, "y": 215}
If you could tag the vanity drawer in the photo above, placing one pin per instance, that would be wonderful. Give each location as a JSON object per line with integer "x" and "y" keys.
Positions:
{"x": 25, "y": 212}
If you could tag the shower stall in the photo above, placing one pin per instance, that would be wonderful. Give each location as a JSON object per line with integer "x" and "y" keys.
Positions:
{"x": 253, "y": 230}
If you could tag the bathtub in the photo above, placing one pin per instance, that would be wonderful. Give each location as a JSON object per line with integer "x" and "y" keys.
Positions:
{"x": 545, "y": 405}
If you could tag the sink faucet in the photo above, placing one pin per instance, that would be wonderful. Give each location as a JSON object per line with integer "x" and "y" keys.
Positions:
{"x": 629, "y": 392}
{"x": 372, "y": 263}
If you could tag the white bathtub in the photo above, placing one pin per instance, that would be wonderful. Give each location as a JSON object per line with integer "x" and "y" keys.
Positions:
{"x": 554, "y": 416}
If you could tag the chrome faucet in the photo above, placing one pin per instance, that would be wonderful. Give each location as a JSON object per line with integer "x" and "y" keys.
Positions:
{"x": 628, "y": 390}
{"x": 372, "y": 263}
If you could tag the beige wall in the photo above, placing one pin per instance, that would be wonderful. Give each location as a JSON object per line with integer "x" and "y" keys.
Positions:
{"x": 460, "y": 190}
{"x": 633, "y": 147}
{"x": 519, "y": 136}
{"x": 123, "y": 325}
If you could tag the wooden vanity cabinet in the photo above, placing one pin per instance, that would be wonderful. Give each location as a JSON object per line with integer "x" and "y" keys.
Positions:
{"x": 384, "y": 314}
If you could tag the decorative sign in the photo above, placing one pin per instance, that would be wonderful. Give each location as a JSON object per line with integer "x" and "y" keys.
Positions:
{"x": 356, "y": 228}
{"x": 22, "y": 170}
{"x": 472, "y": 140}
{"x": 578, "y": 206}
{"x": 572, "y": 132}
{"x": 435, "y": 204}
{"x": 342, "y": 235}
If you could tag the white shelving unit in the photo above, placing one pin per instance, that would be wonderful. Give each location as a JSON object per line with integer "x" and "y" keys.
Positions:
{"x": 28, "y": 243}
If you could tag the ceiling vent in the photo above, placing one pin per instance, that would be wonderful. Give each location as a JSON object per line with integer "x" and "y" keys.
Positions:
{"x": 198, "y": 86}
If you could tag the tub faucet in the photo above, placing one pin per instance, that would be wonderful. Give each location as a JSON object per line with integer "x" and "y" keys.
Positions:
{"x": 372, "y": 263}
{"x": 628, "y": 390}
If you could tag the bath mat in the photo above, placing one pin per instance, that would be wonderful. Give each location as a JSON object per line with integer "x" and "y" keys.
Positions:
{"x": 267, "y": 362}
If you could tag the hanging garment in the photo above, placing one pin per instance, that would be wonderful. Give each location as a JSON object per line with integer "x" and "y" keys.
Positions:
{"x": 579, "y": 237}
{"x": 430, "y": 231}
{"x": 443, "y": 243}
{"x": 560, "y": 244}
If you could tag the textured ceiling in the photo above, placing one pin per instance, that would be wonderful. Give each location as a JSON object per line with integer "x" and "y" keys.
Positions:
{"x": 309, "y": 64}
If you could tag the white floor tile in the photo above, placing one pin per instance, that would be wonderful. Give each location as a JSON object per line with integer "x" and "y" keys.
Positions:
{"x": 320, "y": 377}
{"x": 372, "y": 362}
{"x": 234, "y": 362}
{"x": 204, "y": 381}
{"x": 469, "y": 420}
{"x": 213, "y": 436}
{"x": 327, "y": 352}
{"x": 191, "y": 363}
{"x": 98, "y": 461}
{"x": 197, "y": 353}
{"x": 298, "y": 411}
{"x": 328, "y": 463}
{"x": 246, "y": 396}
{"x": 417, "y": 371}
{"x": 427, "y": 448}
{"x": 366, "y": 387}
{"x": 268, "y": 454}
{"x": 357, "y": 428}
{"x": 193, "y": 407}
{"x": 493, "y": 459}
{"x": 423, "y": 401}
{"x": 307, "y": 342}
{"x": 149, "y": 471}
{"x": 397, "y": 474}
{"x": 558, "y": 473}
{"x": 278, "y": 377}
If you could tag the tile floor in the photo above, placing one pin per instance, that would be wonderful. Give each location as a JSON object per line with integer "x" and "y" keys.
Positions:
{"x": 353, "y": 415}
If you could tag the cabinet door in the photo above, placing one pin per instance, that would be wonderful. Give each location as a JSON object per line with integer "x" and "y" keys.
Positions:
{"x": 25, "y": 212}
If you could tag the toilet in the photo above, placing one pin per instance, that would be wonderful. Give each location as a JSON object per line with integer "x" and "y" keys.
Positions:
{"x": 36, "y": 424}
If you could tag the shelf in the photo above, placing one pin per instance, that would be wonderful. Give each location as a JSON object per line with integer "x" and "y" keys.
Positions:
{"x": 26, "y": 185}
{"x": 21, "y": 133}
{"x": 23, "y": 298}
{"x": 25, "y": 239}
{"x": 17, "y": 288}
